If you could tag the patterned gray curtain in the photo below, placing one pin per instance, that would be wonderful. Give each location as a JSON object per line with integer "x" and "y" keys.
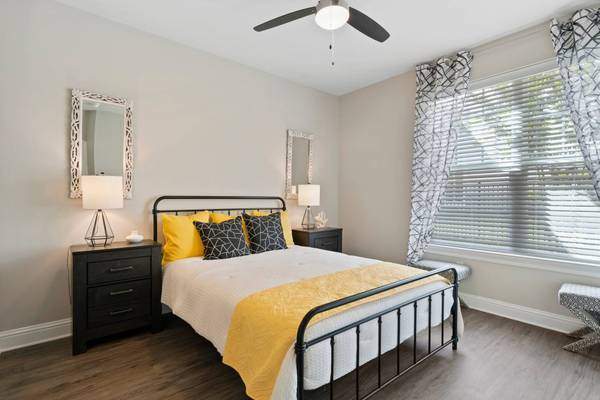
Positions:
{"x": 577, "y": 47}
{"x": 441, "y": 89}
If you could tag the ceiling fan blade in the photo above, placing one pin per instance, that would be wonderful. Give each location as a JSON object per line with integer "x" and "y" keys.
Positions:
{"x": 284, "y": 19}
{"x": 366, "y": 25}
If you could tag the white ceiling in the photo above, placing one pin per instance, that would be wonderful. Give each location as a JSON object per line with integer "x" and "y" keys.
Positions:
{"x": 420, "y": 30}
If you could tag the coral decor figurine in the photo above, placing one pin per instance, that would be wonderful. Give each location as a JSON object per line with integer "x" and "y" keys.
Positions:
{"x": 321, "y": 219}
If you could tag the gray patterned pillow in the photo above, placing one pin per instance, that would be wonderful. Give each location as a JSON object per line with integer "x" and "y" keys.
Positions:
{"x": 265, "y": 232}
{"x": 223, "y": 240}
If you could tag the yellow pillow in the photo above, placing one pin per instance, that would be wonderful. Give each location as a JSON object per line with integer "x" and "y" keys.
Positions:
{"x": 285, "y": 225}
{"x": 217, "y": 218}
{"x": 182, "y": 240}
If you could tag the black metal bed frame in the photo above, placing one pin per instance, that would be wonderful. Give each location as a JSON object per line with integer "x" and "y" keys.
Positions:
{"x": 302, "y": 345}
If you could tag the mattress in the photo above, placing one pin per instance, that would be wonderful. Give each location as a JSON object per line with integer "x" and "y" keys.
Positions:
{"x": 205, "y": 293}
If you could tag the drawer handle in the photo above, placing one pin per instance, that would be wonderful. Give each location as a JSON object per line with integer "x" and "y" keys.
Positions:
{"x": 119, "y": 292}
{"x": 121, "y": 269}
{"x": 125, "y": 311}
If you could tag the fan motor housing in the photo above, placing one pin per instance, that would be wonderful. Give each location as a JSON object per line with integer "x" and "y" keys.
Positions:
{"x": 328, "y": 3}
{"x": 332, "y": 14}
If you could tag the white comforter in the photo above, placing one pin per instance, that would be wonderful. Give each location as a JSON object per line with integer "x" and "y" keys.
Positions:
{"x": 205, "y": 293}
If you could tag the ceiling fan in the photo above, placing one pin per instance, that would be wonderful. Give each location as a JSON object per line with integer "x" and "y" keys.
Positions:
{"x": 332, "y": 15}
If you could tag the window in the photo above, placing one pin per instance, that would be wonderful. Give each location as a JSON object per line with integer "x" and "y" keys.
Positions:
{"x": 518, "y": 183}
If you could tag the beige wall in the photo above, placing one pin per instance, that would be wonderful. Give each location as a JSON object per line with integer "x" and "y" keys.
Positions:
{"x": 203, "y": 125}
{"x": 377, "y": 125}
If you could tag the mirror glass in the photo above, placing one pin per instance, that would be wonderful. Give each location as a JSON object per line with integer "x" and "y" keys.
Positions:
{"x": 103, "y": 129}
{"x": 301, "y": 150}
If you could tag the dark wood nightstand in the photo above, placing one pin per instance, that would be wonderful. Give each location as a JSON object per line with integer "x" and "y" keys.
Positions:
{"x": 321, "y": 238}
{"x": 115, "y": 289}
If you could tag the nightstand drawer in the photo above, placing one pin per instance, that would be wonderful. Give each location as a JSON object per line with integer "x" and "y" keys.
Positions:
{"x": 327, "y": 243}
{"x": 116, "y": 270}
{"x": 328, "y": 238}
{"x": 112, "y": 314}
{"x": 119, "y": 293}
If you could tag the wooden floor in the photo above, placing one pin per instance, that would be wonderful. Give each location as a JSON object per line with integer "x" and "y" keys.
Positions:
{"x": 497, "y": 359}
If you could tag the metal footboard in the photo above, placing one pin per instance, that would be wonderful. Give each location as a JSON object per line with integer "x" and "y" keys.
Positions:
{"x": 303, "y": 345}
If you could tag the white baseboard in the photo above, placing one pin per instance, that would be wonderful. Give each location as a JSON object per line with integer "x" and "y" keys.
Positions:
{"x": 532, "y": 316}
{"x": 48, "y": 331}
{"x": 30, "y": 335}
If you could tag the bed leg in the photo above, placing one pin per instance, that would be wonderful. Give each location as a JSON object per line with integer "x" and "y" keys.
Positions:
{"x": 455, "y": 306}
{"x": 300, "y": 370}
{"x": 454, "y": 327}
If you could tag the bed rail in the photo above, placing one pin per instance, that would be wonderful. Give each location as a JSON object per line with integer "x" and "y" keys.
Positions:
{"x": 302, "y": 345}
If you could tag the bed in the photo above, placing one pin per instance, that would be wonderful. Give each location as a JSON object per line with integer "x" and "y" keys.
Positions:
{"x": 205, "y": 294}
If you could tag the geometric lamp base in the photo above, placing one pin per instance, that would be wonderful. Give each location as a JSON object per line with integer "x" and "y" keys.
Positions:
{"x": 99, "y": 233}
{"x": 308, "y": 222}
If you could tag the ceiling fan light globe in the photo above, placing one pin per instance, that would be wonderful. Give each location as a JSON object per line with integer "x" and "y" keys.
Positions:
{"x": 332, "y": 17}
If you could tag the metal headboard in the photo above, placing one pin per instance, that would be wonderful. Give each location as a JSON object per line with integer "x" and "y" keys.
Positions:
{"x": 156, "y": 210}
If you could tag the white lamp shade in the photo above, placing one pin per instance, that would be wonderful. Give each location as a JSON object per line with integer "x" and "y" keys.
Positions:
{"x": 309, "y": 195}
{"x": 102, "y": 192}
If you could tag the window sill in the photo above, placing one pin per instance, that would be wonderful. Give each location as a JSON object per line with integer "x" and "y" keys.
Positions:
{"x": 516, "y": 260}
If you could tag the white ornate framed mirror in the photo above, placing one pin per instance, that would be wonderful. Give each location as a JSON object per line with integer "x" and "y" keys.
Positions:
{"x": 299, "y": 161}
{"x": 101, "y": 139}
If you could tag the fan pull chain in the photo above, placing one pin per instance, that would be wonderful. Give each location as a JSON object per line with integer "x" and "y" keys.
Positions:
{"x": 331, "y": 49}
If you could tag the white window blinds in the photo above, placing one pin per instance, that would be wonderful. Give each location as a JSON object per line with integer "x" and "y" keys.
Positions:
{"x": 518, "y": 183}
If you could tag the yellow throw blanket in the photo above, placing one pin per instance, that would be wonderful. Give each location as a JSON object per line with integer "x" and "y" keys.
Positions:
{"x": 264, "y": 324}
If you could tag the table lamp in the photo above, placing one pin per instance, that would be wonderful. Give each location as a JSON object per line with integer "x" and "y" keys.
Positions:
{"x": 101, "y": 192}
{"x": 309, "y": 195}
